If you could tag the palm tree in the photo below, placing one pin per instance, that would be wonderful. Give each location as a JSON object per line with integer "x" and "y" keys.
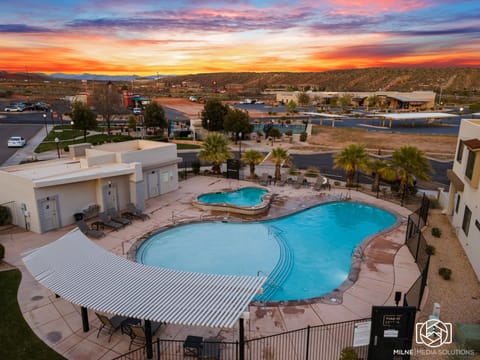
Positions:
{"x": 252, "y": 157}
{"x": 410, "y": 162}
{"x": 279, "y": 156}
{"x": 215, "y": 150}
{"x": 352, "y": 159}
{"x": 380, "y": 169}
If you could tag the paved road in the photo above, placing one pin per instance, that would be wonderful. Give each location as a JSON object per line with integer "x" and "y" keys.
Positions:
{"x": 324, "y": 162}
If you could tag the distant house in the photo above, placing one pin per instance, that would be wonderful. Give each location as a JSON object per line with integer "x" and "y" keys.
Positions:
{"x": 464, "y": 193}
{"x": 414, "y": 100}
{"x": 45, "y": 195}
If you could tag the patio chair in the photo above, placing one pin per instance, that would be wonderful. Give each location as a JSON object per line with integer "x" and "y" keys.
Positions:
{"x": 264, "y": 179}
{"x": 283, "y": 180}
{"x": 106, "y": 221}
{"x": 137, "y": 333}
{"x": 110, "y": 325}
{"x": 82, "y": 225}
{"x": 211, "y": 349}
{"x": 319, "y": 183}
{"x": 299, "y": 182}
{"x": 115, "y": 216}
{"x": 134, "y": 212}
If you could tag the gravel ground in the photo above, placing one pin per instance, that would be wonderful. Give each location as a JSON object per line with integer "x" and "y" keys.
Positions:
{"x": 458, "y": 297}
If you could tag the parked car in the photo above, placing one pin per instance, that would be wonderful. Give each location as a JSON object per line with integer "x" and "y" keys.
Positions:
{"x": 16, "y": 141}
{"x": 12, "y": 108}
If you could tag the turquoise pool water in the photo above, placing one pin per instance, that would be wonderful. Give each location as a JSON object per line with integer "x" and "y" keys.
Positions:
{"x": 305, "y": 255}
{"x": 249, "y": 196}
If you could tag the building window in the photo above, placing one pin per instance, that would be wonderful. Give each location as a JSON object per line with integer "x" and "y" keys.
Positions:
{"x": 470, "y": 164}
{"x": 165, "y": 176}
{"x": 467, "y": 216}
{"x": 458, "y": 203}
{"x": 460, "y": 151}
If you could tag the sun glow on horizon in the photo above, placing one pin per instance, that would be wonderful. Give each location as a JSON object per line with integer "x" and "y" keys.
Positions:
{"x": 185, "y": 38}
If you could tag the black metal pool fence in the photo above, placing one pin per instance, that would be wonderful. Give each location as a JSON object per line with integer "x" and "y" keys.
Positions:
{"x": 323, "y": 342}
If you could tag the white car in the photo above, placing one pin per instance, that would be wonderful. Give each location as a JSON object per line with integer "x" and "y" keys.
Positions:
{"x": 16, "y": 141}
{"x": 12, "y": 108}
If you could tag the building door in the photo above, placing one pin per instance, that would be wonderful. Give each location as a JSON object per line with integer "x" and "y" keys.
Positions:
{"x": 49, "y": 214}
{"x": 110, "y": 199}
{"x": 153, "y": 181}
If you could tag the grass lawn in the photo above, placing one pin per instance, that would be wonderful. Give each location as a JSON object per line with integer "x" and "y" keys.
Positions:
{"x": 18, "y": 340}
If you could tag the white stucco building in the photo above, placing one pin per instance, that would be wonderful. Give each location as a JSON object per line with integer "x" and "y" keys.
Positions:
{"x": 45, "y": 195}
{"x": 464, "y": 193}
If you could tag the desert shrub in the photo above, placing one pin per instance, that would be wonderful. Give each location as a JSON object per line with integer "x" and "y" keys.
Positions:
{"x": 430, "y": 250}
{"x": 444, "y": 272}
{"x": 348, "y": 353}
{"x": 312, "y": 172}
{"x": 303, "y": 136}
{"x": 436, "y": 232}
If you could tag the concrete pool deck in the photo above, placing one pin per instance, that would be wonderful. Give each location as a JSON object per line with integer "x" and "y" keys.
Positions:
{"x": 386, "y": 267}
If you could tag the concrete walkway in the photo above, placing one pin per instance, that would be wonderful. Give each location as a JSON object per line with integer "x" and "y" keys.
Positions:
{"x": 387, "y": 267}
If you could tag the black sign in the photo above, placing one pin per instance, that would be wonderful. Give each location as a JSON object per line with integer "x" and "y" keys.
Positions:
{"x": 233, "y": 169}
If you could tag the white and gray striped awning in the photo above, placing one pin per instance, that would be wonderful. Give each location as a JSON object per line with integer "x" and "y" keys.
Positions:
{"x": 85, "y": 274}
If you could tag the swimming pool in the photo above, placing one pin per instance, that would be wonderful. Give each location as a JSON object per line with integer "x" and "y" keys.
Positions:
{"x": 248, "y": 196}
{"x": 305, "y": 255}
{"x": 248, "y": 201}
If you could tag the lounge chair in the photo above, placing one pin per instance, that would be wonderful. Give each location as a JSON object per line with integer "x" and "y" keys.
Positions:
{"x": 137, "y": 333}
{"x": 134, "y": 212}
{"x": 299, "y": 182}
{"x": 264, "y": 180}
{"x": 110, "y": 325}
{"x": 283, "y": 180}
{"x": 82, "y": 225}
{"x": 319, "y": 183}
{"x": 115, "y": 216}
{"x": 211, "y": 349}
{"x": 106, "y": 221}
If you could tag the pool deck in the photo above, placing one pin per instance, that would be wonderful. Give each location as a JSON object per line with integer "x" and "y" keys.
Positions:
{"x": 386, "y": 267}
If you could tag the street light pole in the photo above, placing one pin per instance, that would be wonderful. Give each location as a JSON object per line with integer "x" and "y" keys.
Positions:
{"x": 57, "y": 142}
{"x": 73, "y": 133}
{"x": 240, "y": 145}
{"x": 45, "y": 121}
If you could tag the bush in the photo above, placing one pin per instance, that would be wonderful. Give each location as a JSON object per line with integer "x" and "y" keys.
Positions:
{"x": 446, "y": 273}
{"x": 303, "y": 136}
{"x": 436, "y": 232}
{"x": 348, "y": 353}
{"x": 430, "y": 250}
{"x": 2, "y": 252}
{"x": 312, "y": 172}
{"x": 4, "y": 215}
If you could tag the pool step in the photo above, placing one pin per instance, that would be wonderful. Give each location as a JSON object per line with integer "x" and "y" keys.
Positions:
{"x": 283, "y": 267}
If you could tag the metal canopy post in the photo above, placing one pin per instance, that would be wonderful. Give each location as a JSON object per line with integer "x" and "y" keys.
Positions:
{"x": 85, "y": 325}
{"x": 241, "y": 334}
{"x": 148, "y": 339}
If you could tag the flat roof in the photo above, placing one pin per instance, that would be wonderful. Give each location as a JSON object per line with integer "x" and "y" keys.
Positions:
{"x": 87, "y": 275}
{"x": 327, "y": 115}
{"x": 415, "y": 115}
{"x": 57, "y": 172}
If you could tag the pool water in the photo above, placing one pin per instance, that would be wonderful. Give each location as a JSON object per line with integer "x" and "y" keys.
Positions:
{"x": 249, "y": 196}
{"x": 305, "y": 255}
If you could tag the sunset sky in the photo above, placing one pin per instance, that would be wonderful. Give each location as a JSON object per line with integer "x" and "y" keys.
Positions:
{"x": 197, "y": 36}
